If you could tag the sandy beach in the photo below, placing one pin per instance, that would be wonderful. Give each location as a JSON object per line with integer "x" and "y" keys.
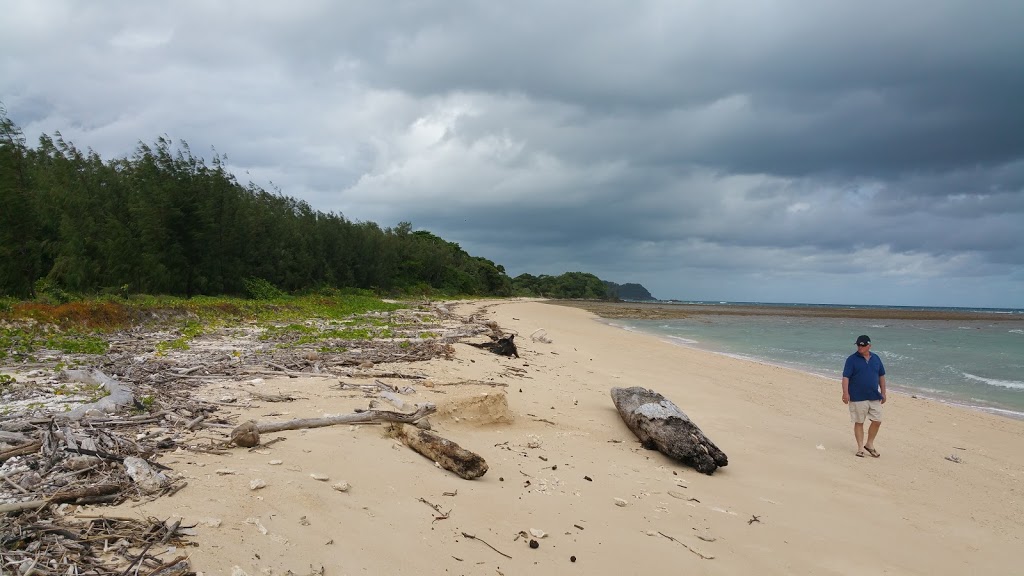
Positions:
{"x": 793, "y": 499}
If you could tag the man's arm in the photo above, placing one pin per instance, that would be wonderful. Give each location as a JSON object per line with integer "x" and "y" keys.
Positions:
{"x": 846, "y": 389}
{"x": 881, "y": 387}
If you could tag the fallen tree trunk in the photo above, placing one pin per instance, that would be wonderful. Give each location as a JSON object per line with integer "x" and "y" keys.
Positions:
{"x": 247, "y": 434}
{"x": 446, "y": 453}
{"x": 661, "y": 425}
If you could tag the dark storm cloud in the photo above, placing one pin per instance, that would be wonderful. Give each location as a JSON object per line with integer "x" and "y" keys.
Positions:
{"x": 817, "y": 151}
{"x": 860, "y": 88}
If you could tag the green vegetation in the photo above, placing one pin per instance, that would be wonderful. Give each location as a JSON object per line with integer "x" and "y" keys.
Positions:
{"x": 189, "y": 330}
{"x": 567, "y": 286}
{"x": 78, "y": 327}
{"x": 163, "y": 221}
{"x": 22, "y": 341}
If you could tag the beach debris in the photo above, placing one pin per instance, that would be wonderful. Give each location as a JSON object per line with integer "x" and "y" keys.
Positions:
{"x": 250, "y": 431}
{"x": 60, "y": 448}
{"x": 319, "y": 477}
{"x": 753, "y": 518}
{"x": 36, "y": 544}
{"x": 538, "y": 533}
{"x": 177, "y": 567}
{"x": 257, "y": 484}
{"x": 540, "y": 335}
{"x": 503, "y": 346}
{"x": 342, "y": 486}
{"x": 117, "y": 396}
{"x": 443, "y": 452}
{"x": 954, "y": 458}
{"x": 437, "y": 508}
{"x": 661, "y": 425}
{"x": 148, "y": 480}
{"x": 534, "y": 544}
{"x": 472, "y": 537}
{"x": 703, "y": 556}
{"x": 258, "y": 524}
{"x": 94, "y": 493}
{"x": 620, "y": 502}
{"x": 246, "y": 435}
{"x": 820, "y": 446}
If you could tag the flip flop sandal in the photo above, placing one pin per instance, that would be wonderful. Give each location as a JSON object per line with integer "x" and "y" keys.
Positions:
{"x": 874, "y": 453}
{"x": 859, "y": 454}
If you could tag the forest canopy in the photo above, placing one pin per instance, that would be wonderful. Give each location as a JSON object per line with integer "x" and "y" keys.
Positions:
{"x": 163, "y": 221}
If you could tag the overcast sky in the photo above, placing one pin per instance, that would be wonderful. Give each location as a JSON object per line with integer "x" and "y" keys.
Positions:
{"x": 861, "y": 152}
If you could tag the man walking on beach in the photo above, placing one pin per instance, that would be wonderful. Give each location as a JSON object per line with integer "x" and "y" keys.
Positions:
{"x": 864, "y": 391}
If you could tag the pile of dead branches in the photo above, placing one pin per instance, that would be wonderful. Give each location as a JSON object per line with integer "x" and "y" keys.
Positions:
{"x": 86, "y": 462}
{"x": 41, "y": 544}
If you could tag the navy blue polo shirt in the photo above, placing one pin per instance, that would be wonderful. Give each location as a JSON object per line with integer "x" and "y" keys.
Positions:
{"x": 863, "y": 375}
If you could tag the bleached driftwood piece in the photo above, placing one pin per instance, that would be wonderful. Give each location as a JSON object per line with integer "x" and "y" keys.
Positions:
{"x": 70, "y": 495}
{"x": 396, "y": 401}
{"x": 118, "y": 395}
{"x": 446, "y": 453}
{"x": 248, "y": 433}
{"x": 661, "y": 425}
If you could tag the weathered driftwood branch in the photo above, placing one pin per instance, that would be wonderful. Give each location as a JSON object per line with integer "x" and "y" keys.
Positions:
{"x": 661, "y": 425}
{"x": 247, "y": 434}
{"x": 446, "y": 453}
{"x": 65, "y": 496}
{"x": 28, "y": 448}
{"x": 118, "y": 395}
{"x": 395, "y": 400}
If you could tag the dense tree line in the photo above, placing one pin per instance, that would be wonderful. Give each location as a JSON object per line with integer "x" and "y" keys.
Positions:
{"x": 163, "y": 221}
{"x": 574, "y": 285}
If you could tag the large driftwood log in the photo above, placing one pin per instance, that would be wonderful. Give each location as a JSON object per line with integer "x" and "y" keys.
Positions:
{"x": 446, "y": 453}
{"x": 661, "y": 425}
{"x": 248, "y": 433}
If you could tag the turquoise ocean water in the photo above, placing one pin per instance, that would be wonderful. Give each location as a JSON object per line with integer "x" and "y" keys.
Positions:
{"x": 976, "y": 363}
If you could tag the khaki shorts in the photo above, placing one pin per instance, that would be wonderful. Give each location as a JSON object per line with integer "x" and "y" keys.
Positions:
{"x": 867, "y": 409}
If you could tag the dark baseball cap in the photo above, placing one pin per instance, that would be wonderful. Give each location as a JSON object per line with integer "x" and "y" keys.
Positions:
{"x": 863, "y": 340}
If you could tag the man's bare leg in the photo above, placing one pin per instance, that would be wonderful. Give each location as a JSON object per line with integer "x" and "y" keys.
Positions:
{"x": 858, "y": 433}
{"x": 872, "y": 432}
